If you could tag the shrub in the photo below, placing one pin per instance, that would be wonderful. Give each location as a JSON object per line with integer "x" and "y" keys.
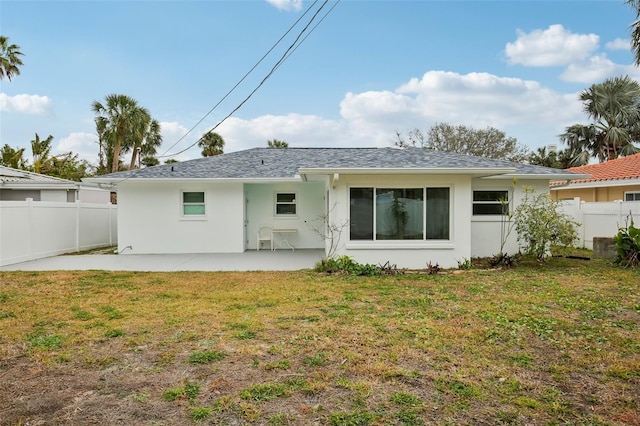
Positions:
{"x": 433, "y": 269}
{"x": 627, "y": 242}
{"x": 502, "y": 259}
{"x": 540, "y": 225}
{"x": 346, "y": 265}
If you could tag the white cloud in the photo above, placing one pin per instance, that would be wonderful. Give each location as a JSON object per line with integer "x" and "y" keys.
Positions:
{"x": 288, "y": 5}
{"x": 172, "y": 132}
{"x": 482, "y": 99}
{"x": 619, "y": 44}
{"x": 28, "y": 104}
{"x": 83, "y": 144}
{"x": 597, "y": 69}
{"x": 524, "y": 109}
{"x": 296, "y": 129}
{"x": 554, "y": 46}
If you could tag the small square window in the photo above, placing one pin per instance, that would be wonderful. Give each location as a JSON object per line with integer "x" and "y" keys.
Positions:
{"x": 193, "y": 204}
{"x": 286, "y": 204}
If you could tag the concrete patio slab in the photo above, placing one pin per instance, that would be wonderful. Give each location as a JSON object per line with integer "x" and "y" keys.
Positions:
{"x": 264, "y": 260}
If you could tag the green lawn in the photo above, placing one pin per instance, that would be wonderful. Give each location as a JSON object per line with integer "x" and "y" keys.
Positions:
{"x": 549, "y": 344}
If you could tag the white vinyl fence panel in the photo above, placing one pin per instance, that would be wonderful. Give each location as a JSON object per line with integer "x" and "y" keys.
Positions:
{"x": 32, "y": 230}
{"x": 600, "y": 219}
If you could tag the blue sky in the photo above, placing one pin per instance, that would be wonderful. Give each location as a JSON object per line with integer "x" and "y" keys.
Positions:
{"x": 369, "y": 69}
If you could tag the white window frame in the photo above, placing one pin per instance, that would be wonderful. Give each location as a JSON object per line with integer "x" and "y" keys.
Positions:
{"x": 293, "y": 203}
{"x": 635, "y": 194}
{"x": 424, "y": 242}
{"x": 187, "y": 216}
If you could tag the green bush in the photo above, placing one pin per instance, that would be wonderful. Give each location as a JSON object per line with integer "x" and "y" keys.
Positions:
{"x": 540, "y": 225}
{"x": 346, "y": 265}
{"x": 627, "y": 242}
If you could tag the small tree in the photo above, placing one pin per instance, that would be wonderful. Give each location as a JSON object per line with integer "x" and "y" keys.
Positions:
{"x": 506, "y": 226}
{"x": 329, "y": 232}
{"x": 540, "y": 225}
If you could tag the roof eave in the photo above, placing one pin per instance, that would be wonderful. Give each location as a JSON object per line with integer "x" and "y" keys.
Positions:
{"x": 596, "y": 183}
{"x": 115, "y": 182}
{"x": 542, "y": 176}
{"x": 473, "y": 171}
{"x": 38, "y": 185}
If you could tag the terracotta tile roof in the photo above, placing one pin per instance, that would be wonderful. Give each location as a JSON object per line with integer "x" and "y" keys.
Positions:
{"x": 620, "y": 168}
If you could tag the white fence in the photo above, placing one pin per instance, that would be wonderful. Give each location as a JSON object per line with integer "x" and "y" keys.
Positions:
{"x": 35, "y": 229}
{"x": 600, "y": 219}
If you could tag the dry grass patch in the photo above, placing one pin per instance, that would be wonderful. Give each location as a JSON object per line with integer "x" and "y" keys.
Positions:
{"x": 538, "y": 344}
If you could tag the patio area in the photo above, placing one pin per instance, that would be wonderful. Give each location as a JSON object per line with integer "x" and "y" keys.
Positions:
{"x": 251, "y": 260}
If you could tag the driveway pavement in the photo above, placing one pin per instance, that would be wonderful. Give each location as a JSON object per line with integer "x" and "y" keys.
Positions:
{"x": 263, "y": 260}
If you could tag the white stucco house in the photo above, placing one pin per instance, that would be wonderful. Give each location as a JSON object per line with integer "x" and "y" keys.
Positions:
{"x": 406, "y": 206}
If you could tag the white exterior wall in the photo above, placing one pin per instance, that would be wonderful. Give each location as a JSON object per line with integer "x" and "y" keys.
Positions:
{"x": 486, "y": 230}
{"x": 150, "y": 218}
{"x": 406, "y": 254}
{"x": 53, "y": 195}
{"x": 310, "y": 205}
{"x": 94, "y": 195}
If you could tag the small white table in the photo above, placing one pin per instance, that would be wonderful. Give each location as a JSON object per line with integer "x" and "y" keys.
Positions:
{"x": 285, "y": 234}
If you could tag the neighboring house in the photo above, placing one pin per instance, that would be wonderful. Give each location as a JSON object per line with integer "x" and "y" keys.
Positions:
{"x": 406, "y": 206}
{"x": 19, "y": 185}
{"x": 613, "y": 180}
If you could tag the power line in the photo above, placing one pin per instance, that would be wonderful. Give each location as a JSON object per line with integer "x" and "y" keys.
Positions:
{"x": 164, "y": 155}
{"x": 292, "y": 48}
{"x": 284, "y": 57}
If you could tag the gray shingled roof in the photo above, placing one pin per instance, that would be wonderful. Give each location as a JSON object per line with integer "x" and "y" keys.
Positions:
{"x": 9, "y": 175}
{"x": 268, "y": 163}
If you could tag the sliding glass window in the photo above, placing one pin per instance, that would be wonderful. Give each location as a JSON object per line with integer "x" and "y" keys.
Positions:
{"x": 399, "y": 213}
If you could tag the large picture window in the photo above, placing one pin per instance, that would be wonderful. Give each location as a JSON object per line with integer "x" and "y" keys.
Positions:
{"x": 490, "y": 202}
{"x": 193, "y": 204}
{"x": 399, "y": 214}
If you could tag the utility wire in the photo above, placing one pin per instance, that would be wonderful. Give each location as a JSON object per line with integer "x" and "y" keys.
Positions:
{"x": 286, "y": 55}
{"x": 292, "y": 48}
{"x": 313, "y": 29}
{"x": 164, "y": 154}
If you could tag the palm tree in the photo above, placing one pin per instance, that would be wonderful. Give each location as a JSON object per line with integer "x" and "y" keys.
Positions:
{"x": 146, "y": 138}
{"x": 635, "y": 30}
{"x": 275, "y": 143}
{"x": 542, "y": 157}
{"x": 115, "y": 122}
{"x": 582, "y": 144}
{"x": 614, "y": 105}
{"x": 41, "y": 150}
{"x": 12, "y": 157}
{"x": 211, "y": 144}
{"x": 9, "y": 58}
